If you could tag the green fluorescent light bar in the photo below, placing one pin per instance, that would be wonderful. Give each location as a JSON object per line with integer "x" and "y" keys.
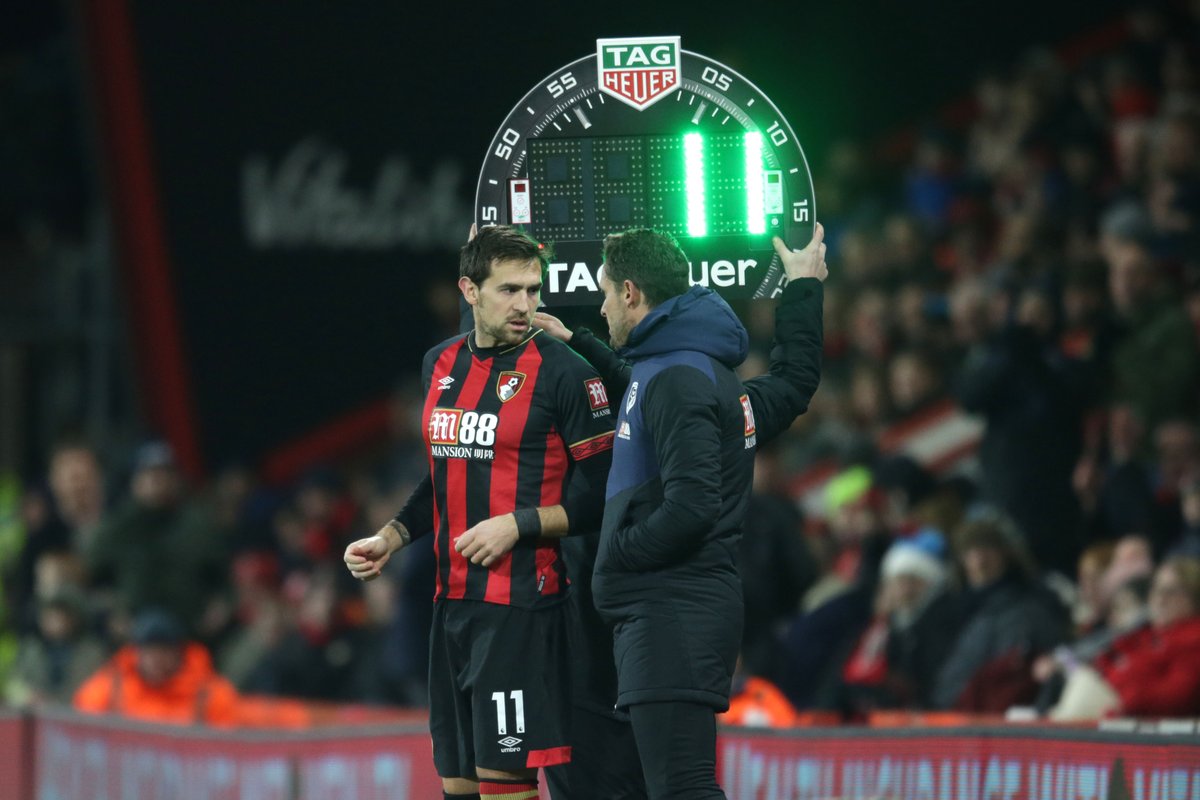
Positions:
{"x": 693, "y": 163}
{"x": 756, "y": 217}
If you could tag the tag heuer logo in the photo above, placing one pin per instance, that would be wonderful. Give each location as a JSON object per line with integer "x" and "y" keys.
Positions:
{"x": 639, "y": 72}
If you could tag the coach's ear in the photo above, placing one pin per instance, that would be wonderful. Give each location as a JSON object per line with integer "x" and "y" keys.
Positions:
{"x": 631, "y": 294}
{"x": 470, "y": 291}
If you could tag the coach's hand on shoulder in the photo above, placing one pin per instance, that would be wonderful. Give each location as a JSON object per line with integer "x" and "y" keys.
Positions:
{"x": 552, "y": 325}
{"x": 806, "y": 263}
{"x": 366, "y": 557}
{"x": 489, "y": 540}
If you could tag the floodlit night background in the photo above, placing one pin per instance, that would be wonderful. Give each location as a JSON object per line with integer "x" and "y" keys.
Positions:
{"x": 229, "y": 231}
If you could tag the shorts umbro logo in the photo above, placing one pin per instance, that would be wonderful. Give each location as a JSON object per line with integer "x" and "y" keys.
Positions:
{"x": 509, "y": 744}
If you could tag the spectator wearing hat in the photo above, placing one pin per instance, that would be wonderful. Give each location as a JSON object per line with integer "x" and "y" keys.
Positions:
{"x": 815, "y": 643}
{"x": 158, "y": 548}
{"x": 855, "y": 517}
{"x": 160, "y": 677}
{"x": 58, "y": 656}
{"x": 916, "y": 621}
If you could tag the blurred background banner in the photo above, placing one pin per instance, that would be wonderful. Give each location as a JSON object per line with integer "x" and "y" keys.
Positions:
{"x": 285, "y": 202}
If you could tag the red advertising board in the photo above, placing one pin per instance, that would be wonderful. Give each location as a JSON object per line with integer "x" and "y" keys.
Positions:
{"x": 967, "y": 764}
{"x": 90, "y": 759}
{"x": 14, "y": 756}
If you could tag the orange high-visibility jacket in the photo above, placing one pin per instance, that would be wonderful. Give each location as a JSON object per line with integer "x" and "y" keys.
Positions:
{"x": 760, "y": 704}
{"x": 195, "y": 694}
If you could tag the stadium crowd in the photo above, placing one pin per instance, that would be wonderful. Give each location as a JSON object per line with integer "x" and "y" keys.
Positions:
{"x": 1031, "y": 277}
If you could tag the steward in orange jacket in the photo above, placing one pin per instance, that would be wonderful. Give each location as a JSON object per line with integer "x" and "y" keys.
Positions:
{"x": 760, "y": 704}
{"x": 161, "y": 677}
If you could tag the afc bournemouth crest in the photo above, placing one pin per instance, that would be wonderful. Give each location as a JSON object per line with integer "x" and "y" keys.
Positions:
{"x": 509, "y": 384}
{"x": 638, "y": 72}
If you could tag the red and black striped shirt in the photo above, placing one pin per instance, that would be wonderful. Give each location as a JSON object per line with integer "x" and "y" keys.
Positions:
{"x": 503, "y": 427}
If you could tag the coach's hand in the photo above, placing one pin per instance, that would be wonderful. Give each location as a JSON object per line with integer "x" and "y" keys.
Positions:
{"x": 552, "y": 325}
{"x": 489, "y": 540}
{"x": 366, "y": 557}
{"x": 806, "y": 263}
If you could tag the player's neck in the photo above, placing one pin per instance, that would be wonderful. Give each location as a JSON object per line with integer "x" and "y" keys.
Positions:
{"x": 484, "y": 341}
{"x": 481, "y": 341}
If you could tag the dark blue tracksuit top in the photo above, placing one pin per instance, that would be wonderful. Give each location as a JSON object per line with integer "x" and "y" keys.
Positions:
{"x": 665, "y": 577}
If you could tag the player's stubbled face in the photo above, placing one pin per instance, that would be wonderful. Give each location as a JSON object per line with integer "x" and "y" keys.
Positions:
{"x": 506, "y": 301}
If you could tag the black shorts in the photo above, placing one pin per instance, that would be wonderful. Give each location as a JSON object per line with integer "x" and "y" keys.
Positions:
{"x": 499, "y": 691}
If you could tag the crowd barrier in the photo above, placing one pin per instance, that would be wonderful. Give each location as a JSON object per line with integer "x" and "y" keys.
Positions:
{"x": 59, "y": 755}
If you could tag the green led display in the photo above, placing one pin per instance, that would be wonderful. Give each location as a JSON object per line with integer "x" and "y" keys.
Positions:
{"x": 693, "y": 166}
{"x": 689, "y": 184}
{"x": 756, "y": 218}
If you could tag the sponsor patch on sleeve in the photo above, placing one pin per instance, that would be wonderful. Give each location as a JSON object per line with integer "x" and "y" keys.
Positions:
{"x": 597, "y": 396}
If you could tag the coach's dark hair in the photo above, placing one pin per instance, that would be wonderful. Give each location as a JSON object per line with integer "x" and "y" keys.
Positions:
{"x": 498, "y": 243}
{"x": 651, "y": 260}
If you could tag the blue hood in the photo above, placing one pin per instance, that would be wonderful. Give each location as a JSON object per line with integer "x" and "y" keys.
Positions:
{"x": 700, "y": 320}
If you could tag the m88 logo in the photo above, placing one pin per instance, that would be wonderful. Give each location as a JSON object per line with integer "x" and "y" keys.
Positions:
{"x": 455, "y": 426}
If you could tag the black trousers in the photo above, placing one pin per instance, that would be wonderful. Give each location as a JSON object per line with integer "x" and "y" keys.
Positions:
{"x": 604, "y": 761}
{"x": 677, "y": 743}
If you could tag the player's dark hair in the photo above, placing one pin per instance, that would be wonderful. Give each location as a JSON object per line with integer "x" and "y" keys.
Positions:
{"x": 651, "y": 260}
{"x": 498, "y": 243}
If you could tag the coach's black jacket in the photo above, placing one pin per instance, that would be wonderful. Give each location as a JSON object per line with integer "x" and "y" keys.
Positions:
{"x": 683, "y": 461}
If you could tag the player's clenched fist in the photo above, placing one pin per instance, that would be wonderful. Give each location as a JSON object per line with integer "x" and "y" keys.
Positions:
{"x": 366, "y": 557}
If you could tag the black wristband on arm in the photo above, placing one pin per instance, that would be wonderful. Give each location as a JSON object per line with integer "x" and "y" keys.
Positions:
{"x": 401, "y": 530}
{"x": 529, "y": 523}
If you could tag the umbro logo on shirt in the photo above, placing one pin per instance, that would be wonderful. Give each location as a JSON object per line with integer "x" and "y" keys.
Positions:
{"x": 444, "y": 383}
